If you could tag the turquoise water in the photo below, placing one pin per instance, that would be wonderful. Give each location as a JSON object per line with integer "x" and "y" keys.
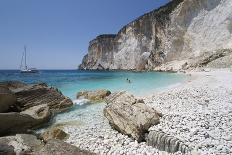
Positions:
{"x": 72, "y": 81}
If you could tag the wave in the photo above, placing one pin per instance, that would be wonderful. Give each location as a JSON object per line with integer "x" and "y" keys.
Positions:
{"x": 81, "y": 101}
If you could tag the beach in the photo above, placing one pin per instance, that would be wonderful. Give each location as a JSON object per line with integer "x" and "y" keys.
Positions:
{"x": 198, "y": 112}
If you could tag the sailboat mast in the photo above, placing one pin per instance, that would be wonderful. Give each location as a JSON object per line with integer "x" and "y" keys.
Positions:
{"x": 21, "y": 65}
{"x": 25, "y": 50}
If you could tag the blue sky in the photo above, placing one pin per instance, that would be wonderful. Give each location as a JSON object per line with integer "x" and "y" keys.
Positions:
{"x": 57, "y": 32}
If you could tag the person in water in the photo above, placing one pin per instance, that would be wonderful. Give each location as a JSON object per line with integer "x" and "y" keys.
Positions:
{"x": 129, "y": 81}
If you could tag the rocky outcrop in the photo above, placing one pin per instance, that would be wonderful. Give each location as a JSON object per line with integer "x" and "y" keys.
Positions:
{"x": 129, "y": 115}
{"x": 210, "y": 57}
{"x": 7, "y": 99}
{"x": 182, "y": 30}
{"x": 54, "y": 133}
{"x": 28, "y": 106}
{"x": 165, "y": 142}
{"x": 97, "y": 95}
{"x": 55, "y": 147}
{"x": 14, "y": 122}
{"x": 98, "y": 58}
{"x": 29, "y": 95}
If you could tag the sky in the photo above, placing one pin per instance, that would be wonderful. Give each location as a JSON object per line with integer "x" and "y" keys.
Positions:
{"x": 57, "y": 32}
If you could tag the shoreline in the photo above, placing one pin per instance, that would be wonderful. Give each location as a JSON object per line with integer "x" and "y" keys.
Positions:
{"x": 98, "y": 136}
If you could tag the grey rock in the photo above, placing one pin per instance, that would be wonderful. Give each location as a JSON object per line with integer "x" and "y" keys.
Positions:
{"x": 15, "y": 122}
{"x": 58, "y": 147}
{"x": 29, "y": 95}
{"x": 20, "y": 144}
{"x": 12, "y": 85}
{"x": 7, "y": 99}
{"x": 6, "y": 150}
{"x": 165, "y": 142}
{"x": 128, "y": 116}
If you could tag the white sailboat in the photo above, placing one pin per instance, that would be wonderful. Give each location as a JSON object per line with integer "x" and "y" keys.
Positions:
{"x": 24, "y": 68}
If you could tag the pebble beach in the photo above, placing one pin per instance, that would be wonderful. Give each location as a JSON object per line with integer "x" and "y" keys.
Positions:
{"x": 198, "y": 112}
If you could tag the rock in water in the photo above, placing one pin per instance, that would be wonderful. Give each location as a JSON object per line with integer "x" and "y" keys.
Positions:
{"x": 58, "y": 147}
{"x": 97, "y": 95}
{"x": 33, "y": 117}
{"x": 7, "y": 99}
{"x": 37, "y": 94}
{"x": 129, "y": 115}
{"x": 54, "y": 133}
{"x": 164, "y": 142}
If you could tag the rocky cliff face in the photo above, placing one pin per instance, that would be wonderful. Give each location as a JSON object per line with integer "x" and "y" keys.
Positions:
{"x": 178, "y": 32}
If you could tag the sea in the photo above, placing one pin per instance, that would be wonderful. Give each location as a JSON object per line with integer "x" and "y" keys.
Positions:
{"x": 70, "y": 82}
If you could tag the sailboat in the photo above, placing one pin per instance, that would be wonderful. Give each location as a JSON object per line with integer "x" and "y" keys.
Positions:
{"x": 24, "y": 68}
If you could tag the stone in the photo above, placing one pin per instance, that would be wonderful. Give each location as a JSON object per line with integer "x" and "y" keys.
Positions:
{"x": 15, "y": 122}
{"x": 29, "y": 95}
{"x": 97, "y": 95}
{"x": 6, "y": 150}
{"x": 54, "y": 133}
{"x": 7, "y": 99}
{"x": 58, "y": 147}
{"x": 12, "y": 85}
{"x": 20, "y": 144}
{"x": 165, "y": 142}
{"x": 129, "y": 116}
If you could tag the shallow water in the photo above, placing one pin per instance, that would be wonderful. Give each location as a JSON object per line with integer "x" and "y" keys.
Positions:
{"x": 72, "y": 81}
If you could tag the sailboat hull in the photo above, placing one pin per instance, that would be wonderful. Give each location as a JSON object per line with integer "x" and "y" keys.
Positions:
{"x": 29, "y": 71}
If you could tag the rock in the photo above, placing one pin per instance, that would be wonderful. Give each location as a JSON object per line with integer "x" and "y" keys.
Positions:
{"x": 54, "y": 133}
{"x": 58, "y": 147}
{"x": 20, "y": 144}
{"x": 165, "y": 142}
{"x": 29, "y": 95}
{"x": 7, "y": 99}
{"x": 6, "y": 150}
{"x": 12, "y": 85}
{"x": 194, "y": 152}
{"x": 176, "y": 31}
{"x": 129, "y": 116}
{"x": 97, "y": 95}
{"x": 33, "y": 117}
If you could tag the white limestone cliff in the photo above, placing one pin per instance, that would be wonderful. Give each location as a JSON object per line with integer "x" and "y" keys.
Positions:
{"x": 176, "y": 34}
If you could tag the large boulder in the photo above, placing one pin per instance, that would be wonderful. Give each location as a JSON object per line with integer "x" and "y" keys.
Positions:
{"x": 95, "y": 95}
{"x": 15, "y": 122}
{"x": 7, "y": 99}
{"x": 29, "y": 95}
{"x": 54, "y": 133}
{"x": 58, "y": 147}
{"x": 20, "y": 144}
{"x": 129, "y": 115}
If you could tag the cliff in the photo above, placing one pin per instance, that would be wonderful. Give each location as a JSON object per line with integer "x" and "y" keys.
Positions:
{"x": 172, "y": 36}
